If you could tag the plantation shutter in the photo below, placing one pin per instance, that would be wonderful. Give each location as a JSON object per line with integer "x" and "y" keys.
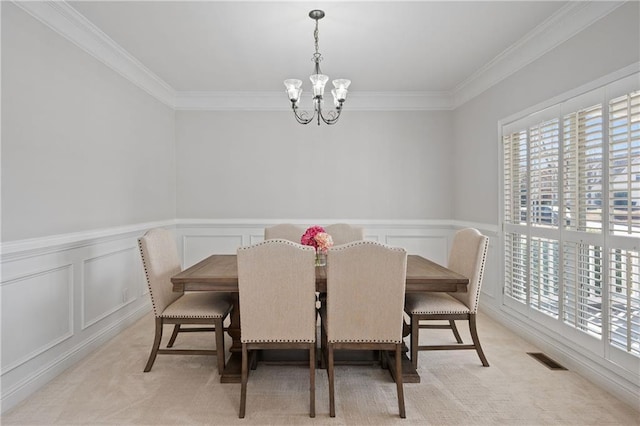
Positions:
{"x": 583, "y": 169}
{"x": 571, "y": 222}
{"x": 624, "y": 164}
{"x": 582, "y": 298}
{"x": 515, "y": 177}
{"x": 543, "y": 286}
{"x": 516, "y": 260}
{"x": 543, "y": 180}
{"x": 624, "y": 300}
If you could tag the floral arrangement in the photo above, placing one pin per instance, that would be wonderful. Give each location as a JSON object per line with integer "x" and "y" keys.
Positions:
{"x": 317, "y": 237}
{"x": 324, "y": 241}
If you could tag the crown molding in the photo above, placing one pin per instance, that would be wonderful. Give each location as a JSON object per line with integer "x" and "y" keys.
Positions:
{"x": 560, "y": 27}
{"x": 69, "y": 23}
{"x": 277, "y": 101}
{"x": 564, "y": 24}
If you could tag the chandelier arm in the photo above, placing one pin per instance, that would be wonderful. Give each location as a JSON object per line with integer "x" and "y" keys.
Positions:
{"x": 333, "y": 116}
{"x": 300, "y": 119}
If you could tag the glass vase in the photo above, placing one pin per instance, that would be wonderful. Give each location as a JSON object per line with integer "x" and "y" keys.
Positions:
{"x": 321, "y": 258}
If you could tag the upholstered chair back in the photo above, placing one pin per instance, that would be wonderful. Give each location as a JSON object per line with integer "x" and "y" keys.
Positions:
{"x": 342, "y": 233}
{"x": 365, "y": 292}
{"x": 277, "y": 283}
{"x": 284, "y": 231}
{"x": 467, "y": 257}
{"x": 160, "y": 261}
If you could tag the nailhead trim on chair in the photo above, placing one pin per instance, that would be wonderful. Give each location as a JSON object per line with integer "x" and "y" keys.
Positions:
{"x": 364, "y": 243}
{"x": 271, "y": 241}
{"x": 277, "y": 341}
{"x": 146, "y": 274}
{"x": 365, "y": 341}
{"x": 484, "y": 258}
{"x": 192, "y": 316}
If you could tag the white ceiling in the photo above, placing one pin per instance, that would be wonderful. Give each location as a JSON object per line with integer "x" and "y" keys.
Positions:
{"x": 253, "y": 46}
{"x": 234, "y": 55}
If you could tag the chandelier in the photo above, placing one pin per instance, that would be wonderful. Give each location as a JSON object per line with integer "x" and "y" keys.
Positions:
{"x": 318, "y": 81}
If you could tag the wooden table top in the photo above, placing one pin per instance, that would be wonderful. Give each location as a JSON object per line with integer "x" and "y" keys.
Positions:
{"x": 219, "y": 272}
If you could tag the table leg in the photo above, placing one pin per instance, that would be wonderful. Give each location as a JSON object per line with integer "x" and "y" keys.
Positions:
{"x": 233, "y": 369}
{"x": 409, "y": 374}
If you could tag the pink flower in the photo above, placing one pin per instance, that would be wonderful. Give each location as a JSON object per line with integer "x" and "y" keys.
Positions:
{"x": 324, "y": 241}
{"x": 308, "y": 238}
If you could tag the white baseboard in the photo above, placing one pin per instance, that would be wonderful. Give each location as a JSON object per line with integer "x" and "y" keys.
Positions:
{"x": 597, "y": 372}
{"x": 17, "y": 393}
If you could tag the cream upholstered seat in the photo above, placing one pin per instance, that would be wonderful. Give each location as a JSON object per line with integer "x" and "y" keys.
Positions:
{"x": 364, "y": 309}
{"x": 160, "y": 261}
{"x": 276, "y": 283}
{"x": 284, "y": 231}
{"x": 467, "y": 257}
{"x": 343, "y": 233}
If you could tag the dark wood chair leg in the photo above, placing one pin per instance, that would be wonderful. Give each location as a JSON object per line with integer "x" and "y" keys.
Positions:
{"x": 415, "y": 334}
{"x": 176, "y": 330}
{"x": 323, "y": 341}
{"x": 220, "y": 354}
{"x": 312, "y": 380}
{"x": 156, "y": 345}
{"x": 399, "y": 383}
{"x": 452, "y": 324}
{"x": 476, "y": 340}
{"x": 332, "y": 405}
{"x": 243, "y": 387}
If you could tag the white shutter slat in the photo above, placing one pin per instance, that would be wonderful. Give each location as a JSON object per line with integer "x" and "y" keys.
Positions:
{"x": 583, "y": 169}
{"x": 544, "y": 160}
{"x": 624, "y": 300}
{"x": 624, "y": 165}
{"x": 544, "y": 264}
{"x": 582, "y": 296}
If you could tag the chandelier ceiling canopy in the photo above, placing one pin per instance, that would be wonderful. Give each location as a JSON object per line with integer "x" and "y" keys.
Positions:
{"x": 318, "y": 82}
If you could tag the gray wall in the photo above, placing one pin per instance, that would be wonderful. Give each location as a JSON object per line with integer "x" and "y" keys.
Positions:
{"x": 82, "y": 148}
{"x": 370, "y": 165}
{"x": 606, "y": 46}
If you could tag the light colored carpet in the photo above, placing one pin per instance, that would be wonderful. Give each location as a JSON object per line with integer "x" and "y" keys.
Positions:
{"x": 109, "y": 387}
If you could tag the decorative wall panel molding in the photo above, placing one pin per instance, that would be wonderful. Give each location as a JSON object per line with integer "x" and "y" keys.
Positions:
{"x": 64, "y": 296}
{"x": 110, "y": 281}
{"x": 43, "y": 299}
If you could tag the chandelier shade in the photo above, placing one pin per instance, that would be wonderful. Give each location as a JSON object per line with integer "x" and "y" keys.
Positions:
{"x": 318, "y": 83}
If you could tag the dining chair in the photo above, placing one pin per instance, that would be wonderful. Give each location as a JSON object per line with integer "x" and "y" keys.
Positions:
{"x": 364, "y": 309}
{"x": 343, "y": 233}
{"x": 284, "y": 231}
{"x": 467, "y": 257}
{"x": 276, "y": 284}
{"x": 160, "y": 261}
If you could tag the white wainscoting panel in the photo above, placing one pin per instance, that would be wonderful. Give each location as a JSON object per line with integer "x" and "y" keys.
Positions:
{"x": 110, "y": 281}
{"x": 63, "y": 297}
{"x": 44, "y": 299}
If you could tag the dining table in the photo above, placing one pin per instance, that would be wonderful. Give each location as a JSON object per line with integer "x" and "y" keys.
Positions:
{"x": 219, "y": 272}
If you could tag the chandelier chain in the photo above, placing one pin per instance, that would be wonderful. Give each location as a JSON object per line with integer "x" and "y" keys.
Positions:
{"x": 317, "y": 57}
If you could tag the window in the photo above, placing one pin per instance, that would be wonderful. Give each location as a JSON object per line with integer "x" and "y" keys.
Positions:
{"x": 571, "y": 216}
